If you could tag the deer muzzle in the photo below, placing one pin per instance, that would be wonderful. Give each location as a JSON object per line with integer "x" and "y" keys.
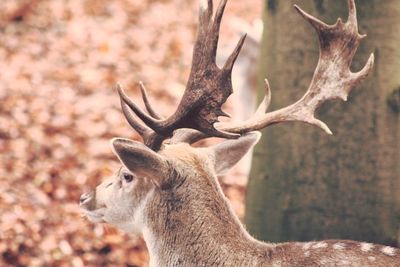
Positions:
{"x": 87, "y": 200}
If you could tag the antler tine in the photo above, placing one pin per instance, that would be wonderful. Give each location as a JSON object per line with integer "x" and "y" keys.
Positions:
{"x": 216, "y": 27}
{"x": 352, "y": 19}
{"x": 358, "y": 77}
{"x": 316, "y": 23}
{"x": 162, "y": 127}
{"x": 150, "y": 138}
{"x": 205, "y": 21}
{"x": 263, "y": 107}
{"x": 218, "y": 15}
{"x": 147, "y": 104}
{"x": 142, "y": 130}
{"x": 232, "y": 58}
{"x": 205, "y": 13}
{"x": 208, "y": 35}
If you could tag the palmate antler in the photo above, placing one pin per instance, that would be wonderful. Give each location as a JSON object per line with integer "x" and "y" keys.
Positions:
{"x": 207, "y": 89}
{"x": 209, "y": 86}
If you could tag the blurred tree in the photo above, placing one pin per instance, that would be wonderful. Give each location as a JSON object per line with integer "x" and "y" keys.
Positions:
{"x": 304, "y": 184}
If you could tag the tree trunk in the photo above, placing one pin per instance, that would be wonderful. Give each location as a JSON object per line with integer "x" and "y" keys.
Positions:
{"x": 304, "y": 184}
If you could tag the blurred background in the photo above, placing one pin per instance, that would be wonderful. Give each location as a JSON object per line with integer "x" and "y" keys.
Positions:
{"x": 60, "y": 61}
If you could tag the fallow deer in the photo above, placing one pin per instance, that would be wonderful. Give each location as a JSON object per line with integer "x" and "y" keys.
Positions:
{"x": 167, "y": 190}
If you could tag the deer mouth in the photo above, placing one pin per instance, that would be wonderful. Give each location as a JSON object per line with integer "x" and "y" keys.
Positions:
{"x": 88, "y": 207}
{"x": 95, "y": 216}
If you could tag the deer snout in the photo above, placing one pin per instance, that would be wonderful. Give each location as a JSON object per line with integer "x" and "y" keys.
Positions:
{"x": 87, "y": 199}
{"x": 86, "y": 196}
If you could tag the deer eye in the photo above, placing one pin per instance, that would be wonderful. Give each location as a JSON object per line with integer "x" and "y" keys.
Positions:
{"x": 127, "y": 177}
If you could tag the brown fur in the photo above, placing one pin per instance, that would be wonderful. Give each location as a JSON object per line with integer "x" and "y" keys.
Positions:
{"x": 187, "y": 221}
{"x": 194, "y": 226}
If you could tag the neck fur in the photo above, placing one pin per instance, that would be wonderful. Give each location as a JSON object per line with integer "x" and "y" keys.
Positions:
{"x": 195, "y": 227}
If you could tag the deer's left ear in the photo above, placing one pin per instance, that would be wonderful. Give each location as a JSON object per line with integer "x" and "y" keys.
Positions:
{"x": 229, "y": 152}
{"x": 139, "y": 159}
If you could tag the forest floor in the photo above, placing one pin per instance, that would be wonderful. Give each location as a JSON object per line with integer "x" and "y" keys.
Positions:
{"x": 60, "y": 61}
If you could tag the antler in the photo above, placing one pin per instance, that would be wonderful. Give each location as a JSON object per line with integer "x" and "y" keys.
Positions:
{"x": 209, "y": 86}
{"x": 207, "y": 89}
{"x": 332, "y": 79}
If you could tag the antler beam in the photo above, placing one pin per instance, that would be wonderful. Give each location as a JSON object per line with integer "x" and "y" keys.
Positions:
{"x": 332, "y": 78}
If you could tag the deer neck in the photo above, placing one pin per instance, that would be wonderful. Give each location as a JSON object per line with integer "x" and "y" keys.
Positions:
{"x": 198, "y": 228}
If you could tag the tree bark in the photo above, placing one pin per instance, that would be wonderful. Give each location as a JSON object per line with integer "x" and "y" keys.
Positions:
{"x": 304, "y": 184}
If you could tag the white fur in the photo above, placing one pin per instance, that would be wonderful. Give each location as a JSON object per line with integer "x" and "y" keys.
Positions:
{"x": 366, "y": 247}
{"x": 388, "y": 251}
{"x": 339, "y": 246}
{"x": 307, "y": 245}
{"x": 136, "y": 225}
{"x": 345, "y": 263}
{"x": 320, "y": 245}
{"x": 151, "y": 243}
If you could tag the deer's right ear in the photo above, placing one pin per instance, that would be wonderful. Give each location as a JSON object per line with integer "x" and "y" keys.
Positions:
{"x": 229, "y": 152}
{"x": 139, "y": 159}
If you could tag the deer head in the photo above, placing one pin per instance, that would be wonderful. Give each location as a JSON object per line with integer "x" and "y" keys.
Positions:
{"x": 146, "y": 176}
{"x": 165, "y": 184}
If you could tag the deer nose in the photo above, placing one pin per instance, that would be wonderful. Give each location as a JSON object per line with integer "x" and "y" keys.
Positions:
{"x": 85, "y": 197}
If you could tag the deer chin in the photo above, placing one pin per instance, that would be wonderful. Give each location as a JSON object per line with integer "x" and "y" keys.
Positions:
{"x": 95, "y": 216}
